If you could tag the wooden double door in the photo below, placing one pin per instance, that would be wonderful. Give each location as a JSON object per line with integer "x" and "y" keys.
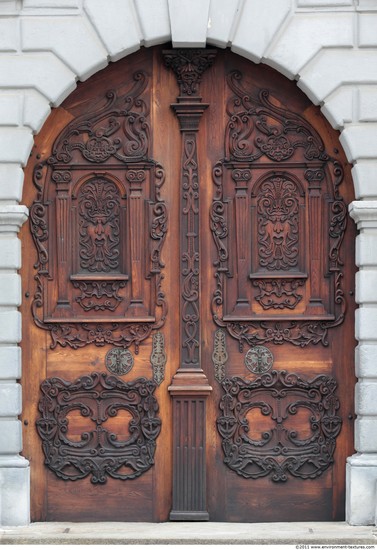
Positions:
{"x": 188, "y": 313}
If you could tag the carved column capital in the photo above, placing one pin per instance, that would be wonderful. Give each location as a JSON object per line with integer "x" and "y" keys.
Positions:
{"x": 12, "y": 217}
{"x": 189, "y": 115}
{"x": 364, "y": 213}
{"x": 188, "y": 66}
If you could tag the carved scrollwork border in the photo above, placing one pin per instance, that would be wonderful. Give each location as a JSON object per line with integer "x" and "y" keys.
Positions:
{"x": 99, "y": 453}
{"x": 281, "y": 451}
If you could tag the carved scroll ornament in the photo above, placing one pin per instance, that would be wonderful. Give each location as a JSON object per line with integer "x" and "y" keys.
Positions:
{"x": 257, "y": 127}
{"x": 283, "y": 450}
{"x": 99, "y": 452}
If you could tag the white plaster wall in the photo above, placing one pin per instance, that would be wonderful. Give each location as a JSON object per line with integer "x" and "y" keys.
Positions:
{"x": 328, "y": 46}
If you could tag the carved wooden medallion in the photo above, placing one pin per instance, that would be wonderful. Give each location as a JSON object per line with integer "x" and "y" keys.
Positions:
{"x": 99, "y": 452}
{"x": 280, "y": 451}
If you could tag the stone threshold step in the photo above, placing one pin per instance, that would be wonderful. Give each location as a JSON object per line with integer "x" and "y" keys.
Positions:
{"x": 190, "y": 533}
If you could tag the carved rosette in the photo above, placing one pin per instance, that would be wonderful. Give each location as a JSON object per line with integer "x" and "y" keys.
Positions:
{"x": 274, "y": 185}
{"x": 283, "y": 450}
{"x": 99, "y": 452}
{"x": 99, "y": 225}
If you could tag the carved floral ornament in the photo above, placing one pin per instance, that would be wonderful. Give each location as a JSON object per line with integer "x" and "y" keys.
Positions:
{"x": 277, "y": 182}
{"x": 89, "y": 195}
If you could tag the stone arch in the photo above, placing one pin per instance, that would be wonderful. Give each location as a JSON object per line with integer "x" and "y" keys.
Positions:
{"x": 328, "y": 47}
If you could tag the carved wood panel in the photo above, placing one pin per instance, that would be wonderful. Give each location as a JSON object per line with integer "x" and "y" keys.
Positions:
{"x": 283, "y": 450}
{"x": 274, "y": 186}
{"x": 98, "y": 451}
{"x": 99, "y": 225}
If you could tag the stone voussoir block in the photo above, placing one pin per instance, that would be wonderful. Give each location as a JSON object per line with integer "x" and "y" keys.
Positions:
{"x": 360, "y": 141}
{"x": 189, "y": 22}
{"x": 10, "y": 108}
{"x": 10, "y": 436}
{"x": 365, "y": 179}
{"x": 368, "y": 102}
{"x": 40, "y": 70}
{"x": 339, "y": 107}
{"x": 223, "y": 17}
{"x": 36, "y": 110}
{"x": 11, "y": 182}
{"x": 10, "y": 362}
{"x": 154, "y": 21}
{"x": 305, "y": 35}
{"x": 71, "y": 38}
{"x": 10, "y": 399}
{"x": 15, "y": 144}
{"x": 10, "y": 289}
{"x": 332, "y": 67}
{"x": 267, "y": 17}
{"x": 117, "y": 25}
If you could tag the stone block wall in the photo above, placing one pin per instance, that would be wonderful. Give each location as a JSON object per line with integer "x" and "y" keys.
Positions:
{"x": 328, "y": 46}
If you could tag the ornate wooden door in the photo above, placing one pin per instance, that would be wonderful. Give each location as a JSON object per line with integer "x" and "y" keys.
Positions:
{"x": 188, "y": 311}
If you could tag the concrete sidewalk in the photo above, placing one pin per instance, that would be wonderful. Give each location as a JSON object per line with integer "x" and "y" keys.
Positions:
{"x": 190, "y": 533}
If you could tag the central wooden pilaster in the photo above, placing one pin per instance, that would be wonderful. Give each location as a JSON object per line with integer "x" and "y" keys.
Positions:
{"x": 190, "y": 387}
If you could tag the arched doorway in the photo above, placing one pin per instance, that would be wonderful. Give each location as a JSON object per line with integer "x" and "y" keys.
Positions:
{"x": 188, "y": 333}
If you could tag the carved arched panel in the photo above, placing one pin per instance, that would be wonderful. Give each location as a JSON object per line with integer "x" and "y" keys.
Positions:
{"x": 278, "y": 220}
{"x": 99, "y": 225}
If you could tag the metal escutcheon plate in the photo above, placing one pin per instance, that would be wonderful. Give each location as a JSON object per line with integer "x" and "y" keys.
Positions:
{"x": 119, "y": 361}
{"x": 259, "y": 360}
